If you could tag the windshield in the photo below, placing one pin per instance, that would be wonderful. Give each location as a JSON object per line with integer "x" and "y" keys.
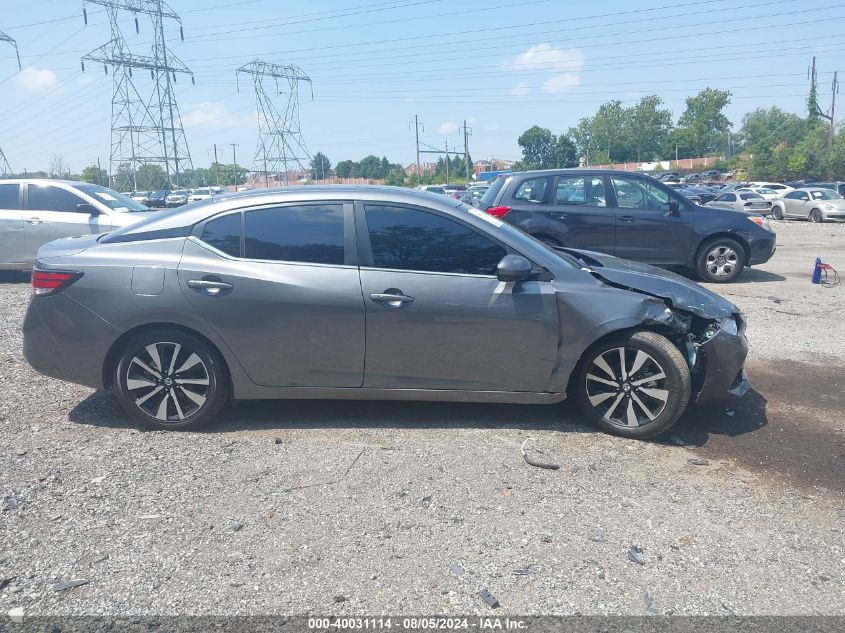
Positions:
{"x": 825, "y": 194}
{"x": 112, "y": 199}
{"x": 492, "y": 192}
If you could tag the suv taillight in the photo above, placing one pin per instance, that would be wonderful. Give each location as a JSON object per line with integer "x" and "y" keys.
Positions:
{"x": 499, "y": 212}
{"x": 49, "y": 282}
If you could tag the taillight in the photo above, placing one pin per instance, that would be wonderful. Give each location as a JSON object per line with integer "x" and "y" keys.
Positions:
{"x": 499, "y": 212}
{"x": 50, "y": 282}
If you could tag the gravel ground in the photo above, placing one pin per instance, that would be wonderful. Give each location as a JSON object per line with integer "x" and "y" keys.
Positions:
{"x": 356, "y": 507}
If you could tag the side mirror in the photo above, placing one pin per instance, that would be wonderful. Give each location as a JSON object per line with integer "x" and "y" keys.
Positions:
{"x": 87, "y": 208}
{"x": 674, "y": 207}
{"x": 513, "y": 268}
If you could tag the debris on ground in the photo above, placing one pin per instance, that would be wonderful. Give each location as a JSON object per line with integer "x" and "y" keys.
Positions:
{"x": 340, "y": 598}
{"x": 278, "y": 440}
{"x": 10, "y": 503}
{"x": 64, "y": 585}
{"x": 5, "y": 581}
{"x": 489, "y": 598}
{"x": 533, "y": 462}
{"x": 527, "y": 570}
{"x": 598, "y": 536}
{"x": 697, "y": 461}
{"x": 456, "y": 569}
{"x": 635, "y": 553}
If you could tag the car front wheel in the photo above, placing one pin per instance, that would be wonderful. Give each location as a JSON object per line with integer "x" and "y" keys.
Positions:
{"x": 720, "y": 260}
{"x": 816, "y": 216}
{"x": 636, "y": 385}
{"x": 777, "y": 213}
{"x": 169, "y": 379}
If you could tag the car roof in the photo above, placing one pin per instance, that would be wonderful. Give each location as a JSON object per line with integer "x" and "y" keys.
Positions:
{"x": 190, "y": 214}
{"x": 43, "y": 181}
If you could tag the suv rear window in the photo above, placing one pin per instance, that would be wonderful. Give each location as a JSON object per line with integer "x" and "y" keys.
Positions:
{"x": 490, "y": 195}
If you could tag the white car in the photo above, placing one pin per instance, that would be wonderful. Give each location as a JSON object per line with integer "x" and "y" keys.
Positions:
{"x": 763, "y": 192}
{"x": 177, "y": 198}
{"x": 200, "y": 194}
{"x": 778, "y": 187}
{"x": 141, "y": 197}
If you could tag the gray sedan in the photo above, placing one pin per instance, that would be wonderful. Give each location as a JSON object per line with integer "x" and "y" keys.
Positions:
{"x": 741, "y": 201}
{"x": 377, "y": 293}
{"x": 35, "y": 211}
{"x": 810, "y": 203}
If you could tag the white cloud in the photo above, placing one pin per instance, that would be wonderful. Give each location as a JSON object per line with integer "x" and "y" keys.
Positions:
{"x": 216, "y": 114}
{"x": 561, "y": 83}
{"x": 520, "y": 89}
{"x": 546, "y": 57}
{"x": 36, "y": 79}
{"x": 448, "y": 128}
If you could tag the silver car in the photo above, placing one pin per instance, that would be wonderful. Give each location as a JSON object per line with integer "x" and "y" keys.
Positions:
{"x": 34, "y": 212}
{"x": 810, "y": 203}
{"x": 375, "y": 293}
{"x": 177, "y": 198}
{"x": 741, "y": 201}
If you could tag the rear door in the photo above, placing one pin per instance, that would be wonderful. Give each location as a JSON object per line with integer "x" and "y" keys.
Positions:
{"x": 437, "y": 316}
{"x": 580, "y": 213}
{"x": 280, "y": 284}
{"x": 646, "y": 228}
{"x": 12, "y": 237}
{"x": 52, "y": 213}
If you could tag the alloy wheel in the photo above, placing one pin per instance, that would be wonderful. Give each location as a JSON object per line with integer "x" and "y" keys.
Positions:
{"x": 168, "y": 382}
{"x": 721, "y": 261}
{"x": 627, "y": 387}
{"x": 815, "y": 215}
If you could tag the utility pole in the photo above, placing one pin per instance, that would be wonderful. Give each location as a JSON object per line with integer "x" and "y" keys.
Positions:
{"x": 280, "y": 142}
{"x": 5, "y": 169}
{"x": 834, "y": 89}
{"x": 447, "y": 161}
{"x": 216, "y": 166}
{"x": 235, "y": 165}
{"x": 467, "y": 131}
{"x": 417, "y": 124}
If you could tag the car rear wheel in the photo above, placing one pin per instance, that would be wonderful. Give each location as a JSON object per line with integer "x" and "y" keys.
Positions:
{"x": 636, "y": 385}
{"x": 816, "y": 216}
{"x": 720, "y": 260}
{"x": 777, "y": 213}
{"x": 169, "y": 379}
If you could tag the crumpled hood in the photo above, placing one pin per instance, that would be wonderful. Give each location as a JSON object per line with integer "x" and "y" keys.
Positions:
{"x": 679, "y": 291}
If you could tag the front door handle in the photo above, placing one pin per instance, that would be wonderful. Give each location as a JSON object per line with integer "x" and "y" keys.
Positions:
{"x": 392, "y": 298}
{"x": 626, "y": 218}
{"x": 34, "y": 220}
{"x": 209, "y": 287}
{"x": 558, "y": 216}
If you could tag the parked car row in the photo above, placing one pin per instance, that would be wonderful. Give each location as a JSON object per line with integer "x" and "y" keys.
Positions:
{"x": 170, "y": 199}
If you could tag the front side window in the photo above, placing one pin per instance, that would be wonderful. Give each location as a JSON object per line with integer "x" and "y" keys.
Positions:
{"x": 632, "y": 193}
{"x": 305, "y": 233}
{"x": 224, "y": 234}
{"x": 409, "y": 239}
{"x": 726, "y": 197}
{"x": 532, "y": 190}
{"x": 9, "y": 196}
{"x": 112, "y": 199}
{"x": 793, "y": 195}
{"x": 51, "y": 198}
{"x": 580, "y": 191}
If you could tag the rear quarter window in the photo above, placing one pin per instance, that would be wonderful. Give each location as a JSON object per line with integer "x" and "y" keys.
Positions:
{"x": 491, "y": 194}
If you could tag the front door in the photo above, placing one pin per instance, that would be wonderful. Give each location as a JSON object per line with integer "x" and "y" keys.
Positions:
{"x": 581, "y": 215}
{"x": 437, "y": 316}
{"x": 646, "y": 228}
{"x": 796, "y": 204}
{"x": 280, "y": 285}
{"x": 52, "y": 213}
{"x": 12, "y": 240}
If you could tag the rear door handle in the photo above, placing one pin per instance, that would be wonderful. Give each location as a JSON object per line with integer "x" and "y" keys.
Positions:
{"x": 208, "y": 286}
{"x": 392, "y": 298}
{"x": 34, "y": 220}
{"x": 626, "y": 218}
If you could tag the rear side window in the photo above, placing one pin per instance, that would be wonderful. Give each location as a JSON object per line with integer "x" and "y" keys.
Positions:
{"x": 750, "y": 196}
{"x": 9, "y": 197}
{"x": 407, "y": 239}
{"x": 224, "y": 234}
{"x": 309, "y": 233}
{"x": 53, "y": 199}
{"x": 580, "y": 191}
{"x": 532, "y": 190}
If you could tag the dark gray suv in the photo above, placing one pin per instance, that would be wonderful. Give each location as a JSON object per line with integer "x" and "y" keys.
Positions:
{"x": 631, "y": 216}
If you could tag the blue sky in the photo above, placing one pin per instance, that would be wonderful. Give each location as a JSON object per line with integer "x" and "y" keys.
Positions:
{"x": 502, "y": 66}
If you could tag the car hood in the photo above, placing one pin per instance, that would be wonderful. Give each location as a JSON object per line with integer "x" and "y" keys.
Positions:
{"x": 679, "y": 291}
{"x": 131, "y": 217}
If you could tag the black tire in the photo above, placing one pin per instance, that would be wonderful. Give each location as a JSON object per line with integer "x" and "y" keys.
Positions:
{"x": 720, "y": 260}
{"x": 195, "y": 382}
{"x": 816, "y": 216}
{"x": 610, "y": 407}
{"x": 777, "y": 213}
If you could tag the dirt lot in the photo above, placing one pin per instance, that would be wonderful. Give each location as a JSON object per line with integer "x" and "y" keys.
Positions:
{"x": 412, "y": 508}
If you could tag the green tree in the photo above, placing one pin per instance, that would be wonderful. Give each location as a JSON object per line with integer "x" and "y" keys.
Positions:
{"x": 608, "y": 131}
{"x": 770, "y": 128}
{"x": 565, "y": 153}
{"x": 95, "y": 176}
{"x": 703, "y": 127}
{"x": 344, "y": 168}
{"x": 538, "y": 148}
{"x": 151, "y": 178}
{"x": 321, "y": 166}
{"x": 646, "y": 128}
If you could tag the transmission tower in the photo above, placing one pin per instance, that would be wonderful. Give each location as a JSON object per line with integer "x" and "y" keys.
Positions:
{"x": 146, "y": 126}
{"x": 5, "y": 169}
{"x": 280, "y": 144}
